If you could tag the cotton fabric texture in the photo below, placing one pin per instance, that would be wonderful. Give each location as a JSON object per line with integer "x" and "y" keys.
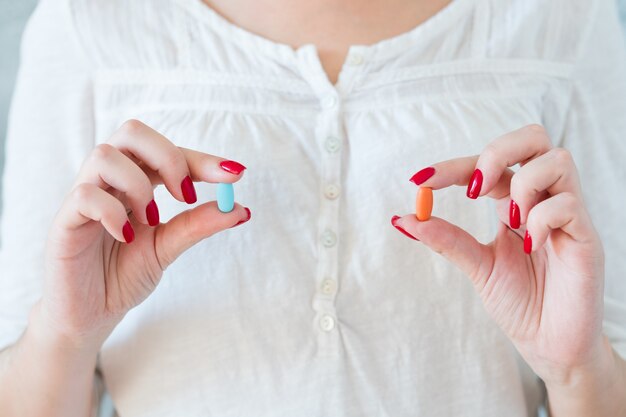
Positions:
{"x": 316, "y": 307}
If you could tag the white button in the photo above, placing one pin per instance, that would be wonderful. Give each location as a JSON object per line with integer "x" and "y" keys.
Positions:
{"x": 329, "y": 102}
{"x": 328, "y": 287}
{"x": 355, "y": 59}
{"x": 329, "y": 239}
{"x": 333, "y": 144}
{"x": 332, "y": 191}
{"x": 327, "y": 323}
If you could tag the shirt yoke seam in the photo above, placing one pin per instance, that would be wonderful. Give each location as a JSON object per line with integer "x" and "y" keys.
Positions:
{"x": 297, "y": 86}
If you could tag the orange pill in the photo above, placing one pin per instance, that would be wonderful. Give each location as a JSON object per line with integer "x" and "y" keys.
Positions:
{"x": 424, "y": 203}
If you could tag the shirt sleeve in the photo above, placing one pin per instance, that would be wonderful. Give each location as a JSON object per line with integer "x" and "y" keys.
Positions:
{"x": 595, "y": 133}
{"x": 50, "y": 132}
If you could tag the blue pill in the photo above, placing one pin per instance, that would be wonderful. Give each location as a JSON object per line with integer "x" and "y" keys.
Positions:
{"x": 225, "y": 197}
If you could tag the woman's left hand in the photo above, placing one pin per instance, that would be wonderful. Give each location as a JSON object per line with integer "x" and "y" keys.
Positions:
{"x": 549, "y": 300}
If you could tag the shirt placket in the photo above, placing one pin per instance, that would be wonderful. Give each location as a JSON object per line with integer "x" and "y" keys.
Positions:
{"x": 330, "y": 139}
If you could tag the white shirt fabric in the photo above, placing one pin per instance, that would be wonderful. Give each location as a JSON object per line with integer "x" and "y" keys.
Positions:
{"x": 318, "y": 306}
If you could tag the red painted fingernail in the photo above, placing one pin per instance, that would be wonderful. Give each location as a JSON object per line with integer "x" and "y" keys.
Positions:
{"x": 246, "y": 219}
{"x": 475, "y": 184}
{"x": 232, "y": 167}
{"x": 421, "y": 176}
{"x": 528, "y": 243}
{"x": 189, "y": 191}
{"x": 129, "y": 233}
{"x": 514, "y": 216}
{"x": 152, "y": 213}
{"x": 394, "y": 219}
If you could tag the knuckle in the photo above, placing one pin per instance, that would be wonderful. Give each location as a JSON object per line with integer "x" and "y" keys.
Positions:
{"x": 82, "y": 193}
{"x": 536, "y": 129}
{"x": 562, "y": 156}
{"x": 147, "y": 188}
{"x": 138, "y": 195}
{"x": 102, "y": 151}
{"x": 490, "y": 153}
{"x": 537, "y": 133}
{"x": 174, "y": 158}
{"x": 569, "y": 202}
{"x": 131, "y": 127}
{"x": 137, "y": 184}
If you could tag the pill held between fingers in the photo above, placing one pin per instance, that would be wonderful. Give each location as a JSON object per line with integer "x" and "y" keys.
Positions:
{"x": 424, "y": 203}
{"x": 225, "y": 197}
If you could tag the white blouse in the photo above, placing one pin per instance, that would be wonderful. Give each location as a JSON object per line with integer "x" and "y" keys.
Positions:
{"x": 318, "y": 306}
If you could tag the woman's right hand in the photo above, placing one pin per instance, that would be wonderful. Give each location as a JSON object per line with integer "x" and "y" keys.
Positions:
{"x": 93, "y": 276}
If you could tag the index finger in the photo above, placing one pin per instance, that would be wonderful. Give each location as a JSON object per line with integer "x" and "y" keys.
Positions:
{"x": 166, "y": 163}
{"x": 202, "y": 167}
{"x": 458, "y": 171}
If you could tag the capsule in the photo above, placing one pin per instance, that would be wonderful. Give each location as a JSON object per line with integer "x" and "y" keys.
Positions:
{"x": 424, "y": 203}
{"x": 225, "y": 197}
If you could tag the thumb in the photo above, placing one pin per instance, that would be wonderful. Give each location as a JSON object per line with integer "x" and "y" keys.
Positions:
{"x": 191, "y": 226}
{"x": 454, "y": 243}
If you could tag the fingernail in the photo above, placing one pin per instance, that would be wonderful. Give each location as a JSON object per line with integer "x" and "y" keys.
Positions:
{"x": 246, "y": 219}
{"x": 232, "y": 167}
{"x": 514, "y": 216}
{"x": 476, "y": 182}
{"x": 152, "y": 213}
{"x": 394, "y": 219}
{"x": 128, "y": 232}
{"x": 189, "y": 191}
{"x": 528, "y": 243}
{"x": 421, "y": 176}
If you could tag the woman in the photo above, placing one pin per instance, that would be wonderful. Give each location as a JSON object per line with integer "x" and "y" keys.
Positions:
{"x": 316, "y": 306}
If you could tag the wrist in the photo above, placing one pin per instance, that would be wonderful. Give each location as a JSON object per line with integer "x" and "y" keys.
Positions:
{"x": 49, "y": 372}
{"x": 596, "y": 387}
{"x": 597, "y": 364}
{"x": 46, "y": 332}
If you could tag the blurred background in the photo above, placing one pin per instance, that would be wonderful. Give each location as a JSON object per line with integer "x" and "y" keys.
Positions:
{"x": 13, "y": 16}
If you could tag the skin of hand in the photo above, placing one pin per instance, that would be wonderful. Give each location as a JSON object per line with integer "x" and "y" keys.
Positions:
{"x": 93, "y": 277}
{"x": 549, "y": 302}
{"x": 105, "y": 252}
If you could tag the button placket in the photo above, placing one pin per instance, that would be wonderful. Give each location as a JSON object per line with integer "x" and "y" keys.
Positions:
{"x": 330, "y": 140}
{"x": 329, "y": 136}
{"x": 329, "y": 226}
